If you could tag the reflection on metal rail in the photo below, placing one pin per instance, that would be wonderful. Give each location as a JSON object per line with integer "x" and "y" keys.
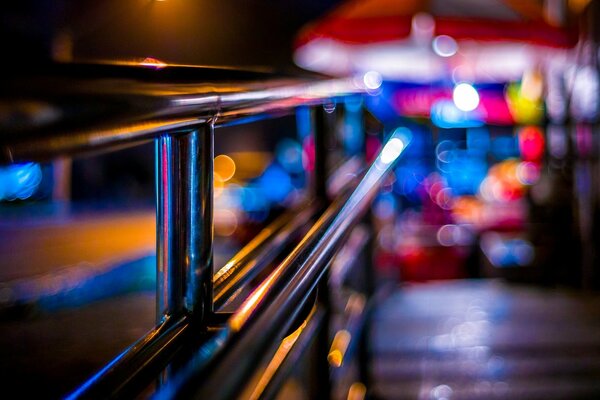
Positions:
{"x": 178, "y": 108}
{"x": 259, "y": 253}
{"x": 125, "y": 105}
{"x": 269, "y": 311}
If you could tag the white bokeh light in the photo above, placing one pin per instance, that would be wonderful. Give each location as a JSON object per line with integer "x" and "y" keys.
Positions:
{"x": 465, "y": 97}
{"x": 373, "y": 80}
{"x": 444, "y": 46}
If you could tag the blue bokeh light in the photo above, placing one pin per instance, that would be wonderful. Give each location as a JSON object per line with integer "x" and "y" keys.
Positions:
{"x": 289, "y": 155}
{"x": 275, "y": 183}
{"x": 19, "y": 181}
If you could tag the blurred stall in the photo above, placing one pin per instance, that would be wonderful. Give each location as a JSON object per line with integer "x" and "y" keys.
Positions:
{"x": 486, "y": 88}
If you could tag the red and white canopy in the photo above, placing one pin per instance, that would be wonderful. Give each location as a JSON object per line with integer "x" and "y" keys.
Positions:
{"x": 413, "y": 40}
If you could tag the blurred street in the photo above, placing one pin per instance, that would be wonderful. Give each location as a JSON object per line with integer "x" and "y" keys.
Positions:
{"x": 484, "y": 340}
{"x": 74, "y": 294}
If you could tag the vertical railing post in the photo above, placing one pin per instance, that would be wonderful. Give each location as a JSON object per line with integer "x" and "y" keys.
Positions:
{"x": 169, "y": 274}
{"x": 198, "y": 235}
{"x": 184, "y": 176}
{"x": 321, "y": 130}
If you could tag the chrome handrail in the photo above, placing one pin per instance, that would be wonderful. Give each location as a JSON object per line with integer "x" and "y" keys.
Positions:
{"x": 259, "y": 253}
{"x": 179, "y": 107}
{"x": 270, "y": 309}
{"x": 144, "y": 102}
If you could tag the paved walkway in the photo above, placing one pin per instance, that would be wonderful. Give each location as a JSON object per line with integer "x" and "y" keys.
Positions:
{"x": 486, "y": 340}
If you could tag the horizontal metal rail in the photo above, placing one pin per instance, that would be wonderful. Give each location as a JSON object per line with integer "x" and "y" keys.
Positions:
{"x": 92, "y": 108}
{"x": 129, "y": 368}
{"x": 259, "y": 253}
{"x": 269, "y": 311}
{"x": 122, "y": 105}
{"x": 134, "y": 368}
{"x": 289, "y": 354}
{"x": 273, "y": 239}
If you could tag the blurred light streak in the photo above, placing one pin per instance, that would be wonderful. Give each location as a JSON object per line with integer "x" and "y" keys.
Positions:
{"x": 400, "y": 60}
{"x": 357, "y": 391}
{"x": 19, "y": 181}
{"x": 282, "y": 351}
{"x": 151, "y": 62}
{"x": 343, "y": 175}
{"x": 436, "y": 101}
{"x": 338, "y": 349}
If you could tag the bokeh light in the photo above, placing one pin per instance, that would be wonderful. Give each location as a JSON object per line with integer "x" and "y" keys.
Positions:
{"x": 444, "y": 46}
{"x": 372, "y": 80}
{"x": 275, "y": 183}
{"x": 531, "y": 143}
{"x": 19, "y": 181}
{"x": 465, "y": 97}
{"x": 289, "y": 155}
{"x": 224, "y": 167}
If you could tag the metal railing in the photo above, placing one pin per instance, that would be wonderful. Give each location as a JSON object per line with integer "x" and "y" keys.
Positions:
{"x": 211, "y": 353}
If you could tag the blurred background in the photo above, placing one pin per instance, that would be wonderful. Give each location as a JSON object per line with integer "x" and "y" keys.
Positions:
{"x": 501, "y": 179}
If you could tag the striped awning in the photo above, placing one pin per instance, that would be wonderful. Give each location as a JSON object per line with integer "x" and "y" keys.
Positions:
{"x": 347, "y": 39}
